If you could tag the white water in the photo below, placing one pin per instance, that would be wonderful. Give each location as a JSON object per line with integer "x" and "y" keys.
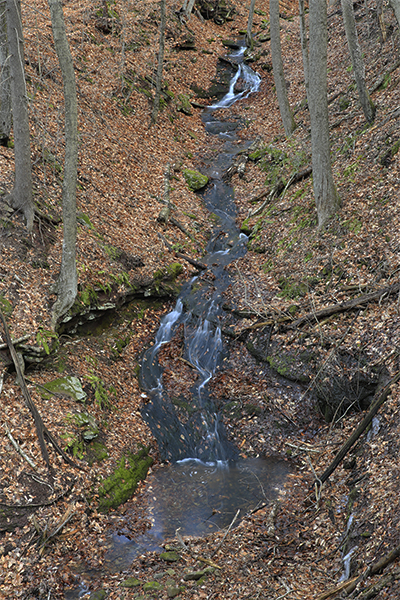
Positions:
{"x": 250, "y": 78}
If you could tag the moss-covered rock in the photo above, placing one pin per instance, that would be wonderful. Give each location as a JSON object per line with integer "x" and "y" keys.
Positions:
{"x": 130, "y": 582}
{"x": 170, "y": 556}
{"x": 96, "y": 452}
{"x": 183, "y": 104}
{"x": 120, "y": 486}
{"x": 195, "y": 180}
{"x": 152, "y": 586}
{"x": 69, "y": 386}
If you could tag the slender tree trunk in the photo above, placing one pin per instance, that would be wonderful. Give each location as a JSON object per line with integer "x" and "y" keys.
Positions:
{"x": 304, "y": 45}
{"x": 249, "y": 37}
{"x": 156, "y": 103}
{"x": 21, "y": 195}
{"x": 5, "y": 91}
{"x": 277, "y": 67}
{"x": 188, "y": 7}
{"x": 326, "y": 197}
{"x": 357, "y": 60}
{"x": 67, "y": 282}
{"x": 395, "y": 4}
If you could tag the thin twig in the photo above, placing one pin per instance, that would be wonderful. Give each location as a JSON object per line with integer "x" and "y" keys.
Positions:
{"x": 18, "y": 447}
{"x": 226, "y": 532}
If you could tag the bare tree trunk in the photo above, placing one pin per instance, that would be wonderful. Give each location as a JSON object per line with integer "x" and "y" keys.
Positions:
{"x": 277, "y": 67}
{"x": 67, "y": 281}
{"x": 249, "y": 37}
{"x": 395, "y": 4}
{"x": 188, "y": 7}
{"x": 156, "y": 103}
{"x": 304, "y": 45}
{"x": 21, "y": 195}
{"x": 357, "y": 60}
{"x": 5, "y": 91}
{"x": 326, "y": 197}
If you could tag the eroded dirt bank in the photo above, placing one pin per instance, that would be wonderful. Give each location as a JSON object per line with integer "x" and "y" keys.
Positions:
{"x": 278, "y": 365}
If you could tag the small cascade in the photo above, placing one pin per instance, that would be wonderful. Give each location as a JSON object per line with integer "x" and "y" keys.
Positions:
{"x": 251, "y": 82}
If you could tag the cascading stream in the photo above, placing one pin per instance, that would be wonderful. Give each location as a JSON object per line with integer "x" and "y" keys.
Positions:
{"x": 206, "y": 483}
{"x": 202, "y": 435}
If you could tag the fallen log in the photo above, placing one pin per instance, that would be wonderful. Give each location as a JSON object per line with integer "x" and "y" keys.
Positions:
{"x": 344, "y": 306}
{"x": 380, "y": 400}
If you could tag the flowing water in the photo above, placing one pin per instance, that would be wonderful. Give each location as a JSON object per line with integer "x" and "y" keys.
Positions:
{"x": 206, "y": 482}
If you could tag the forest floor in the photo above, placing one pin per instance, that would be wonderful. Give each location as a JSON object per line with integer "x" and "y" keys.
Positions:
{"x": 293, "y": 548}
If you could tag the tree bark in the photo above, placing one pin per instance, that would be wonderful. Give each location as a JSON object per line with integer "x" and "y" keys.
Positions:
{"x": 395, "y": 4}
{"x": 156, "y": 104}
{"x": 188, "y": 7}
{"x": 304, "y": 45}
{"x": 249, "y": 37}
{"x": 326, "y": 196}
{"x": 68, "y": 279}
{"x": 21, "y": 195}
{"x": 5, "y": 91}
{"x": 277, "y": 67}
{"x": 357, "y": 60}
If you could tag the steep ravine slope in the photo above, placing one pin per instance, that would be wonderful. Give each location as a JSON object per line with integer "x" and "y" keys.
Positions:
{"x": 295, "y": 549}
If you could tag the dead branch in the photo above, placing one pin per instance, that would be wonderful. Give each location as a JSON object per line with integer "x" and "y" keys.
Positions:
{"x": 181, "y": 227}
{"x": 165, "y": 212}
{"x": 18, "y": 341}
{"x": 350, "y": 585}
{"x": 344, "y": 306}
{"x": 18, "y": 447}
{"x": 41, "y": 429}
{"x": 384, "y": 393}
{"x": 47, "y": 537}
{"x": 191, "y": 261}
{"x": 278, "y": 189}
{"x": 383, "y": 77}
{"x": 226, "y": 533}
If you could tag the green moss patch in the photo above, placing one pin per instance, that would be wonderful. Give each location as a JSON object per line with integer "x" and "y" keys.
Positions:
{"x": 120, "y": 486}
{"x": 5, "y": 306}
{"x": 195, "y": 180}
